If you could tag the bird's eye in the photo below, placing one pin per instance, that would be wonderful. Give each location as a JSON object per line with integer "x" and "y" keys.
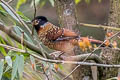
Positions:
{"x": 36, "y": 22}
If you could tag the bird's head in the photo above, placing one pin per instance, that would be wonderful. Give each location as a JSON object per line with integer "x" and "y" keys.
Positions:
{"x": 38, "y": 22}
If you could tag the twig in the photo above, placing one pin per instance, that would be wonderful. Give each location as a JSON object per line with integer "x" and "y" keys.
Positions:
{"x": 19, "y": 18}
{"x": 12, "y": 48}
{"x": 45, "y": 72}
{"x": 99, "y": 26}
{"x": 35, "y": 10}
{"x": 22, "y": 39}
{"x": 59, "y": 61}
{"x": 9, "y": 1}
{"x": 91, "y": 54}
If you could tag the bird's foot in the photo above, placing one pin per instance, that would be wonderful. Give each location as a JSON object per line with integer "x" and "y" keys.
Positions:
{"x": 57, "y": 54}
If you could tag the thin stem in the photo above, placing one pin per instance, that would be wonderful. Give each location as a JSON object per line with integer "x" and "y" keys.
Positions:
{"x": 99, "y": 26}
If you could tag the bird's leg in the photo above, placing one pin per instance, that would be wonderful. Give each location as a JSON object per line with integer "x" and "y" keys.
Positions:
{"x": 57, "y": 54}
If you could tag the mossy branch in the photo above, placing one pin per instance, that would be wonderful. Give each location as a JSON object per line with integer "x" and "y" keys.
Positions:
{"x": 99, "y": 26}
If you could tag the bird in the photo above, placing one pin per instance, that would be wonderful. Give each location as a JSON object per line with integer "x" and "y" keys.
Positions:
{"x": 60, "y": 39}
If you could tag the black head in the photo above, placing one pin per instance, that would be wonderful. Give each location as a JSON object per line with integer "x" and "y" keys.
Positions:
{"x": 38, "y": 21}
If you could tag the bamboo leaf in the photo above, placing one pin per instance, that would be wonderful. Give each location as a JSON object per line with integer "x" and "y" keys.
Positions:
{"x": 8, "y": 60}
{"x": 1, "y": 68}
{"x": 7, "y": 68}
{"x": 9, "y": 40}
{"x": 19, "y": 3}
{"x": 77, "y": 1}
{"x": 87, "y": 1}
{"x": 99, "y": 1}
{"x": 23, "y": 16}
{"x": 15, "y": 67}
{"x": 1, "y": 39}
{"x": 3, "y": 12}
{"x": 42, "y": 3}
{"x": 9, "y": 11}
{"x": 3, "y": 50}
{"x": 18, "y": 30}
{"x": 21, "y": 66}
{"x": 52, "y": 2}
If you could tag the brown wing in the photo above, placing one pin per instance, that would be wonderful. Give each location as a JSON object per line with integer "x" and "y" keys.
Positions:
{"x": 56, "y": 33}
{"x": 68, "y": 33}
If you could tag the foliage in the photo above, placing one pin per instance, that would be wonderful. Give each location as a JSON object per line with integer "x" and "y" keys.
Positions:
{"x": 19, "y": 3}
{"x": 42, "y": 2}
{"x": 87, "y": 1}
{"x": 13, "y": 66}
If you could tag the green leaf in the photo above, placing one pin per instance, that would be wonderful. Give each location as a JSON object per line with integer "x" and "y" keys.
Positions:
{"x": 11, "y": 53}
{"x": 1, "y": 67}
{"x": 2, "y": 11}
{"x": 9, "y": 11}
{"x": 42, "y": 3}
{"x": 19, "y": 3}
{"x": 3, "y": 50}
{"x": 8, "y": 60}
{"x": 21, "y": 66}
{"x": 1, "y": 39}
{"x": 23, "y": 16}
{"x": 15, "y": 67}
{"x": 18, "y": 31}
{"x": 77, "y": 1}
{"x": 52, "y": 2}
{"x": 7, "y": 68}
{"x": 87, "y": 1}
{"x": 61, "y": 66}
{"x": 9, "y": 40}
{"x": 99, "y": 1}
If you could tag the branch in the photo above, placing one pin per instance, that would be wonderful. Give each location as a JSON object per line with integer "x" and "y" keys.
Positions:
{"x": 9, "y": 32}
{"x": 99, "y": 26}
{"x": 9, "y": 1}
{"x": 81, "y": 57}
{"x": 60, "y": 61}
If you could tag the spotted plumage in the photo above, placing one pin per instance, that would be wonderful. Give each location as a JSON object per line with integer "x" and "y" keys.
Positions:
{"x": 57, "y": 38}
